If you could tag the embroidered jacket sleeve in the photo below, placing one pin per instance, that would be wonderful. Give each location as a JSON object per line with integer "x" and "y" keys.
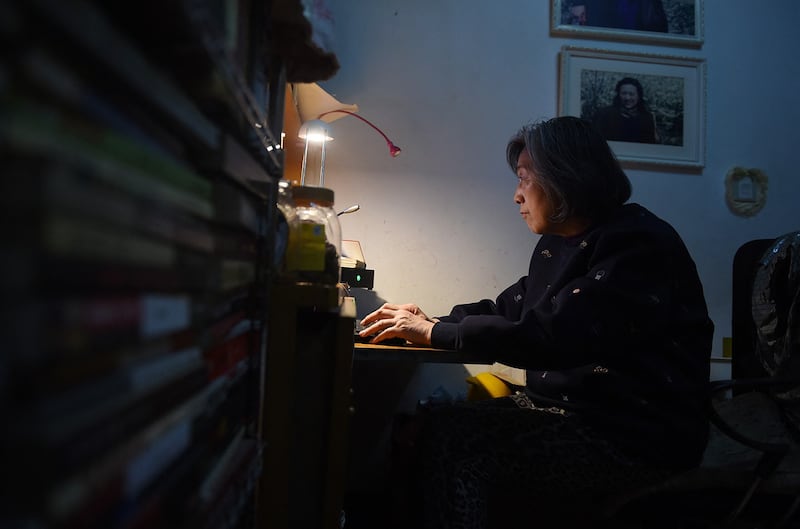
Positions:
{"x": 508, "y": 305}
{"x": 619, "y": 288}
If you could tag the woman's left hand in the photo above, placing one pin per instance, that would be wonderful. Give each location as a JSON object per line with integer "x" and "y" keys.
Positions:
{"x": 398, "y": 321}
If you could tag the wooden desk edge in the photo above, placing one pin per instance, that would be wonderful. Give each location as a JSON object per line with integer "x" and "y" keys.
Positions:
{"x": 416, "y": 353}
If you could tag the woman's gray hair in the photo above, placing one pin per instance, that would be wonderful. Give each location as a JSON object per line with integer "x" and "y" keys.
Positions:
{"x": 572, "y": 162}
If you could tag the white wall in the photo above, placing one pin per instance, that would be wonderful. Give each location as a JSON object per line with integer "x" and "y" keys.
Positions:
{"x": 450, "y": 80}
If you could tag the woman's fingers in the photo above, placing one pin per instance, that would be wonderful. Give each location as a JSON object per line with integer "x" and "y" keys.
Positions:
{"x": 377, "y": 315}
{"x": 392, "y": 320}
{"x": 387, "y": 310}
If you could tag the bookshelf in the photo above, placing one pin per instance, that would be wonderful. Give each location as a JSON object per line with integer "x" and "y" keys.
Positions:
{"x": 140, "y": 147}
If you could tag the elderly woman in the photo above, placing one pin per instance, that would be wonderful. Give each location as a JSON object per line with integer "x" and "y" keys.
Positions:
{"x": 628, "y": 118}
{"x": 610, "y": 323}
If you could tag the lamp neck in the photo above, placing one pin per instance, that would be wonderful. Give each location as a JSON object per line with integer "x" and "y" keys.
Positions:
{"x": 394, "y": 150}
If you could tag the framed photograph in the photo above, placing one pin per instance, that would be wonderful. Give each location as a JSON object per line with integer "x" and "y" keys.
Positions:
{"x": 650, "y": 108}
{"x": 665, "y": 22}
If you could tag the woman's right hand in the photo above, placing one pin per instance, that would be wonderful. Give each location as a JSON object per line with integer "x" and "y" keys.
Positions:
{"x": 406, "y": 321}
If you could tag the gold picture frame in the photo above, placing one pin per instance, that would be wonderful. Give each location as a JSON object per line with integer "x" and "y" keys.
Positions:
{"x": 663, "y": 22}
{"x": 671, "y": 93}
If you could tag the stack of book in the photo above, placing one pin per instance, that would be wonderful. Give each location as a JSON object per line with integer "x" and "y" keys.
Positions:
{"x": 136, "y": 255}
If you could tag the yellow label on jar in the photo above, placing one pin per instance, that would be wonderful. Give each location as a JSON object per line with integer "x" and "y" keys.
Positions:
{"x": 306, "y": 250}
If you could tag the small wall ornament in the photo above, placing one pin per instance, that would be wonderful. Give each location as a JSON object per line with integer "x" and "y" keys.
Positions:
{"x": 745, "y": 191}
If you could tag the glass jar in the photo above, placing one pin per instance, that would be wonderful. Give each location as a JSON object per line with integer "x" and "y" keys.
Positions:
{"x": 284, "y": 214}
{"x": 315, "y": 237}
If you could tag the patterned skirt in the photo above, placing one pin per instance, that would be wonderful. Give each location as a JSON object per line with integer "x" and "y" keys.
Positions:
{"x": 473, "y": 461}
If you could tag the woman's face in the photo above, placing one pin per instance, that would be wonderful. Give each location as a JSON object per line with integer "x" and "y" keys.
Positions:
{"x": 629, "y": 96}
{"x": 577, "y": 15}
{"x": 533, "y": 204}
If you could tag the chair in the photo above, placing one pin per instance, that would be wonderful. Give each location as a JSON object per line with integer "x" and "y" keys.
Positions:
{"x": 750, "y": 473}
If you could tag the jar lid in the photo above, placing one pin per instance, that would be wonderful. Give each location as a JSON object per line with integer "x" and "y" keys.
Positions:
{"x": 321, "y": 195}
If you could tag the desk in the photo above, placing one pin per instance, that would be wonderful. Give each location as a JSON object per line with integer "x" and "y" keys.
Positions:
{"x": 305, "y": 410}
{"x": 387, "y": 383}
{"x": 416, "y": 353}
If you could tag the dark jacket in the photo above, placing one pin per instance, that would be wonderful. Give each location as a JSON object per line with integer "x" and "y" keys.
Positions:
{"x": 614, "y": 125}
{"x": 612, "y": 324}
{"x": 639, "y": 15}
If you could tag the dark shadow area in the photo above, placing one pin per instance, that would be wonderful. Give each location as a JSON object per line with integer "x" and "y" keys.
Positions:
{"x": 366, "y": 301}
{"x": 379, "y": 387}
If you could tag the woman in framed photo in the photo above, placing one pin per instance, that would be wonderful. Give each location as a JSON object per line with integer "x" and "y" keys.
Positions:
{"x": 639, "y": 15}
{"x": 627, "y": 118}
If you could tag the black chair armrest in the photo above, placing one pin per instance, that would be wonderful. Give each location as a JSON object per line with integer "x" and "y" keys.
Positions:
{"x": 755, "y": 384}
{"x": 772, "y": 453}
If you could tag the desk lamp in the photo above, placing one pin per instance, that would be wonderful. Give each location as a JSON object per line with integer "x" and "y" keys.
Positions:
{"x": 317, "y": 108}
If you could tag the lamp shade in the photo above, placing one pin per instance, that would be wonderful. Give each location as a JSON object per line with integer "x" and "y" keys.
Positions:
{"x": 315, "y": 105}
{"x": 312, "y": 102}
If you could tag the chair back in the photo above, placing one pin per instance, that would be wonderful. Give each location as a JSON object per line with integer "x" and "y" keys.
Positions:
{"x": 766, "y": 320}
{"x": 776, "y": 307}
{"x": 744, "y": 363}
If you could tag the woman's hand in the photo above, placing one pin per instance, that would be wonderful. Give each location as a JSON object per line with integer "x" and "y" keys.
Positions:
{"x": 398, "y": 321}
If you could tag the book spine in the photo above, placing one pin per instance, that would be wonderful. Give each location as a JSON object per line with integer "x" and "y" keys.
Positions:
{"x": 64, "y": 189}
{"x": 191, "y": 272}
{"x": 78, "y": 328}
{"x": 109, "y": 157}
{"x": 64, "y": 236}
{"x": 60, "y": 416}
{"x": 86, "y": 27}
{"x": 124, "y": 472}
{"x": 223, "y": 358}
{"x": 106, "y": 435}
{"x": 236, "y": 208}
{"x": 236, "y": 244}
{"x": 229, "y": 498}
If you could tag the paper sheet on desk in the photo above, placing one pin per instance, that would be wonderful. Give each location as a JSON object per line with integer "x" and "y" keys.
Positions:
{"x": 352, "y": 256}
{"x": 512, "y": 375}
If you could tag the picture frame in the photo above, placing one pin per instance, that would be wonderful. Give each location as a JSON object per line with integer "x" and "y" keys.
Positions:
{"x": 666, "y": 22}
{"x": 666, "y": 125}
